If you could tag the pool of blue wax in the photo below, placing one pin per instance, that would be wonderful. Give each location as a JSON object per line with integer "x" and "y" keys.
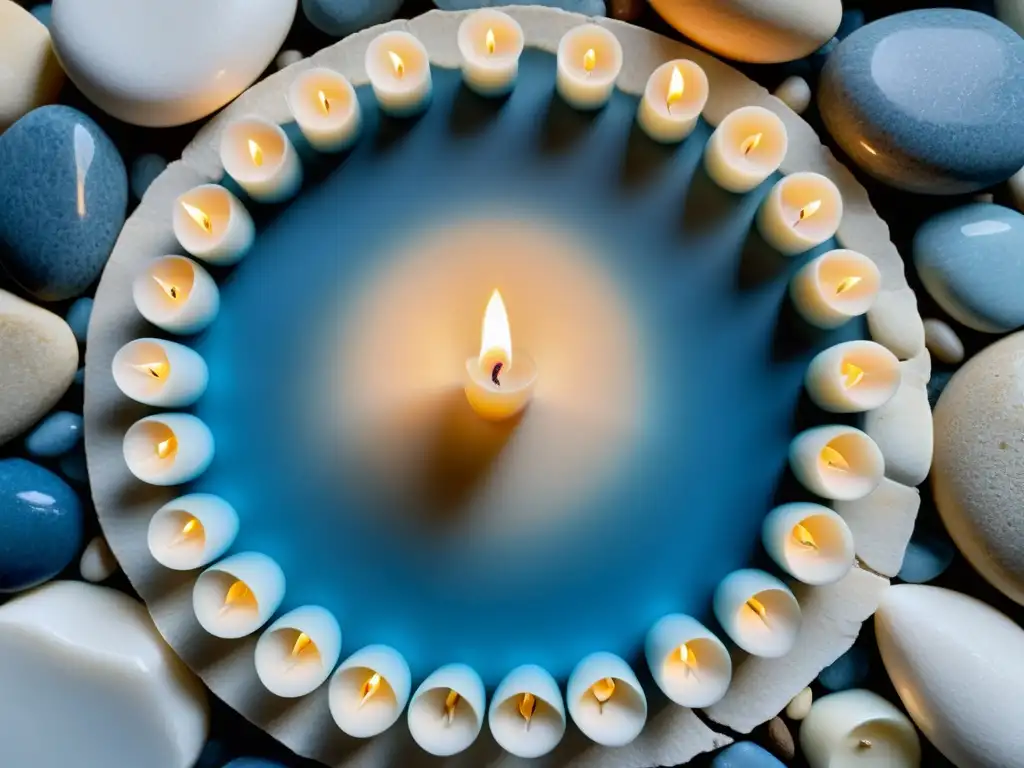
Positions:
{"x": 725, "y": 398}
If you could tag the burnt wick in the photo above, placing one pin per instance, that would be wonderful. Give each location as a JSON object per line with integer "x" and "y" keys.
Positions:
{"x": 494, "y": 374}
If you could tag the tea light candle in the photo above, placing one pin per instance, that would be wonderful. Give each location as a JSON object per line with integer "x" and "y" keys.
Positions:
{"x": 605, "y": 700}
{"x": 369, "y": 691}
{"x": 837, "y": 462}
{"x": 258, "y": 155}
{"x": 296, "y": 653}
{"x": 176, "y": 295}
{"x": 834, "y": 287}
{"x": 324, "y": 105}
{"x": 213, "y": 225}
{"x": 810, "y": 542}
{"x": 527, "y": 715}
{"x": 238, "y": 595}
{"x": 398, "y": 67}
{"x": 858, "y": 728}
{"x": 160, "y": 373}
{"x": 168, "y": 449}
{"x": 447, "y": 711}
{"x": 853, "y": 376}
{"x": 589, "y": 61}
{"x": 746, "y": 148}
{"x": 758, "y": 612}
{"x": 192, "y": 531}
{"x": 494, "y": 387}
{"x": 490, "y": 42}
{"x": 688, "y": 662}
{"x": 803, "y": 210}
{"x": 675, "y": 96}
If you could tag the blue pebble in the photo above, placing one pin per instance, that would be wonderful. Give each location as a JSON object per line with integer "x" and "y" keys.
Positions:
{"x": 74, "y": 467}
{"x": 57, "y": 434}
{"x": 41, "y": 525}
{"x": 78, "y": 318}
{"x": 586, "y": 7}
{"x": 41, "y": 12}
{"x": 928, "y": 555}
{"x": 63, "y": 195}
{"x": 745, "y": 754}
{"x": 848, "y": 671}
{"x": 145, "y": 169}
{"x": 343, "y": 17}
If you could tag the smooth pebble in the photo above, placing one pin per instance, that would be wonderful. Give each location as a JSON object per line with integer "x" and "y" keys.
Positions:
{"x": 795, "y": 93}
{"x": 145, "y": 169}
{"x": 943, "y": 342}
{"x": 343, "y": 17}
{"x": 929, "y": 553}
{"x": 55, "y": 435}
{"x": 98, "y": 562}
{"x": 800, "y": 705}
{"x": 78, "y": 318}
{"x": 781, "y": 739}
{"x": 586, "y": 7}
{"x": 32, "y": 76}
{"x": 745, "y": 754}
{"x": 287, "y": 58}
{"x": 848, "y": 671}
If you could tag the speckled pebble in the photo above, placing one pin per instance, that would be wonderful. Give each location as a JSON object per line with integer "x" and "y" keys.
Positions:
{"x": 745, "y": 754}
{"x": 586, "y": 7}
{"x": 943, "y": 342}
{"x": 78, "y": 318}
{"x": 145, "y": 169}
{"x": 98, "y": 562}
{"x": 41, "y": 12}
{"x": 800, "y": 705}
{"x": 1016, "y": 186}
{"x": 287, "y": 58}
{"x": 57, "y": 434}
{"x": 848, "y": 671}
{"x": 781, "y": 740}
{"x": 74, "y": 468}
{"x": 929, "y": 553}
{"x": 343, "y": 17}
{"x": 795, "y": 93}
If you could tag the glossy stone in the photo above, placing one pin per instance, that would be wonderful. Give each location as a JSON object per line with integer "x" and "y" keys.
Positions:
{"x": 942, "y": 342}
{"x": 78, "y": 318}
{"x": 343, "y": 17}
{"x": 586, "y": 7}
{"x": 63, "y": 193}
{"x": 30, "y": 74}
{"x": 929, "y": 100}
{"x": 848, "y": 671}
{"x": 57, "y": 434}
{"x": 745, "y": 754}
{"x": 98, "y": 562}
{"x": 145, "y": 169}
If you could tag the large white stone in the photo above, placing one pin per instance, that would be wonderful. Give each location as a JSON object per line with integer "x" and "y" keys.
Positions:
{"x": 30, "y": 74}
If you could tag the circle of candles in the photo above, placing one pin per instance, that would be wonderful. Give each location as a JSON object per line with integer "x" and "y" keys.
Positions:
{"x": 834, "y": 287}
{"x": 810, "y": 542}
{"x": 605, "y": 700}
{"x": 192, "y": 531}
{"x": 673, "y": 99}
{"x": 326, "y": 109}
{"x": 446, "y": 712}
{"x": 160, "y": 373}
{"x": 803, "y": 210}
{"x": 527, "y": 714}
{"x": 238, "y": 595}
{"x": 837, "y": 462}
{"x": 398, "y": 67}
{"x": 758, "y": 612}
{"x": 259, "y": 156}
{"x": 176, "y": 295}
{"x": 858, "y": 728}
{"x": 212, "y": 224}
{"x": 588, "y": 63}
{"x": 296, "y": 653}
{"x": 168, "y": 449}
{"x": 688, "y": 662}
{"x": 853, "y": 376}
{"x": 369, "y": 691}
{"x": 746, "y": 148}
{"x": 490, "y": 43}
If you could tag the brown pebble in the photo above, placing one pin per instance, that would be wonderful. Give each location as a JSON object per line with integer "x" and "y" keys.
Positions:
{"x": 626, "y": 10}
{"x": 780, "y": 740}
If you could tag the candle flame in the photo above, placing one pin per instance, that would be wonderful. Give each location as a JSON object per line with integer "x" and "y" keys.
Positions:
{"x": 303, "y": 643}
{"x": 239, "y": 596}
{"x": 325, "y": 105}
{"x": 847, "y": 283}
{"x": 852, "y": 375}
{"x": 758, "y": 608}
{"x": 527, "y": 706}
{"x": 156, "y": 370}
{"x": 199, "y": 216}
{"x": 496, "y": 337}
{"x": 803, "y": 537}
{"x": 167, "y": 448}
{"x": 450, "y": 702}
{"x": 397, "y": 63}
{"x": 834, "y": 459}
{"x": 689, "y": 658}
{"x": 590, "y": 60}
{"x": 256, "y": 153}
{"x": 675, "y": 88}
{"x": 809, "y": 210}
{"x": 370, "y": 687}
{"x": 750, "y": 143}
{"x": 602, "y": 690}
{"x": 191, "y": 529}
{"x": 168, "y": 288}
{"x": 491, "y": 43}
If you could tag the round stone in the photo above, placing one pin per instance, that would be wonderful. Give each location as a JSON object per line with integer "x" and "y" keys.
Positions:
{"x": 343, "y": 17}
{"x": 745, "y": 754}
{"x": 929, "y": 100}
{"x": 30, "y": 74}
{"x": 943, "y": 342}
{"x": 98, "y": 562}
{"x": 781, "y": 740}
{"x": 78, "y": 318}
{"x": 57, "y": 434}
{"x": 145, "y": 169}
{"x": 287, "y": 58}
{"x": 795, "y": 93}
{"x": 800, "y": 705}
{"x": 848, "y": 671}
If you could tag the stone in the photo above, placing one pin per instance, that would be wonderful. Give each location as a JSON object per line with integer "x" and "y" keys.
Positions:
{"x": 78, "y": 318}
{"x": 74, "y": 468}
{"x": 971, "y": 261}
{"x": 63, "y": 195}
{"x": 145, "y": 169}
{"x": 55, "y": 435}
{"x": 795, "y": 93}
{"x": 287, "y": 58}
{"x": 929, "y": 553}
{"x": 1011, "y": 13}
{"x": 848, "y": 671}
{"x": 31, "y": 74}
{"x": 98, "y": 562}
{"x": 882, "y": 524}
{"x": 800, "y": 706}
{"x": 781, "y": 740}
{"x": 343, "y": 17}
{"x": 928, "y": 100}
{"x": 745, "y": 754}
{"x": 936, "y": 385}
{"x": 942, "y": 341}
{"x": 41, "y": 520}
{"x": 1016, "y": 187}
{"x": 88, "y": 681}
{"x": 586, "y": 7}
{"x": 42, "y": 12}
{"x": 902, "y": 427}
{"x": 626, "y": 10}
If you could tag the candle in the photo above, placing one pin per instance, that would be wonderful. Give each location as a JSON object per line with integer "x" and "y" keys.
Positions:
{"x": 688, "y": 662}
{"x": 834, "y": 287}
{"x": 527, "y": 715}
{"x": 238, "y": 595}
{"x": 746, "y": 148}
{"x": 369, "y": 691}
{"x": 858, "y": 728}
{"x": 809, "y": 542}
{"x": 192, "y": 531}
{"x": 324, "y": 105}
{"x": 490, "y": 42}
{"x": 160, "y": 373}
{"x": 497, "y": 389}
{"x": 675, "y": 96}
{"x": 589, "y": 60}
{"x": 258, "y": 155}
{"x": 176, "y": 295}
{"x": 605, "y": 700}
{"x": 446, "y": 712}
{"x": 213, "y": 225}
{"x": 802, "y": 211}
{"x": 399, "y": 71}
{"x": 168, "y": 449}
{"x": 296, "y": 653}
{"x": 853, "y": 376}
{"x": 837, "y": 462}
{"x": 758, "y": 612}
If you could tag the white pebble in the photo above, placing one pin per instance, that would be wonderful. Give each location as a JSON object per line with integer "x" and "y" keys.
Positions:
{"x": 795, "y": 93}
{"x": 98, "y": 562}
{"x": 1016, "y": 185}
{"x": 943, "y": 342}
{"x": 287, "y": 58}
{"x": 800, "y": 706}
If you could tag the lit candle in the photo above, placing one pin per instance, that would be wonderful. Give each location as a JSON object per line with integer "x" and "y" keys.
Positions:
{"x": 398, "y": 67}
{"x": 192, "y": 531}
{"x": 746, "y": 148}
{"x": 527, "y": 715}
{"x": 369, "y": 691}
{"x": 258, "y": 155}
{"x": 495, "y": 387}
{"x": 160, "y": 373}
{"x": 852, "y": 377}
{"x": 168, "y": 449}
{"x": 446, "y": 712}
{"x": 803, "y": 210}
{"x": 688, "y": 662}
{"x": 490, "y": 42}
{"x": 810, "y": 542}
{"x": 213, "y": 225}
{"x": 605, "y": 700}
{"x": 858, "y": 728}
{"x": 176, "y": 295}
{"x": 589, "y": 61}
{"x": 324, "y": 105}
{"x": 758, "y": 612}
{"x": 238, "y": 595}
{"x": 834, "y": 287}
{"x": 296, "y": 653}
{"x": 675, "y": 96}
{"x": 837, "y": 462}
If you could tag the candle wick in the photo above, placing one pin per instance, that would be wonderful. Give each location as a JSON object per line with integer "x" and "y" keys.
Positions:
{"x": 494, "y": 373}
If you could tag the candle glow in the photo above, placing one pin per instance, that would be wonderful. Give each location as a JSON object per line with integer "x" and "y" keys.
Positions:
{"x": 370, "y": 687}
{"x": 489, "y": 41}
{"x": 750, "y": 143}
{"x": 325, "y": 105}
{"x": 803, "y": 536}
{"x": 603, "y": 689}
{"x": 808, "y": 210}
{"x": 157, "y": 370}
{"x": 590, "y": 60}
{"x": 239, "y": 596}
{"x": 192, "y": 529}
{"x": 303, "y": 644}
{"x": 496, "y": 337}
{"x": 527, "y": 706}
{"x": 852, "y": 375}
{"x": 256, "y": 153}
{"x": 758, "y": 608}
{"x": 397, "y": 64}
{"x": 833, "y": 459}
{"x": 847, "y": 283}
{"x": 675, "y": 88}
{"x": 167, "y": 448}
{"x": 451, "y": 701}
{"x": 199, "y": 216}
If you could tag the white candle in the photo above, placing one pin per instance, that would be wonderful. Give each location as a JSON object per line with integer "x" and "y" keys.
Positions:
{"x": 398, "y": 67}
{"x": 852, "y": 377}
{"x": 213, "y": 225}
{"x": 746, "y": 148}
{"x": 447, "y": 711}
{"x": 296, "y": 653}
{"x": 837, "y": 462}
{"x": 168, "y": 449}
{"x": 192, "y": 531}
{"x": 810, "y": 542}
{"x": 834, "y": 287}
{"x": 326, "y": 109}
{"x": 687, "y": 661}
{"x": 176, "y": 295}
{"x": 499, "y": 384}
{"x": 758, "y": 612}
{"x": 258, "y": 155}
{"x": 160, "y": 373}
{"x": 238, "y": 595}
{"x": 858, "y": 729}
{"x": 369, "y": 691}
{"x": 605, "y": 700}
{"x": 803, "y": 210}
{"x": 527, "y": 714}
{"x": 675, "y": 96}
{"x": 589, "y": 61}
{"x": 490, "y": 42}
